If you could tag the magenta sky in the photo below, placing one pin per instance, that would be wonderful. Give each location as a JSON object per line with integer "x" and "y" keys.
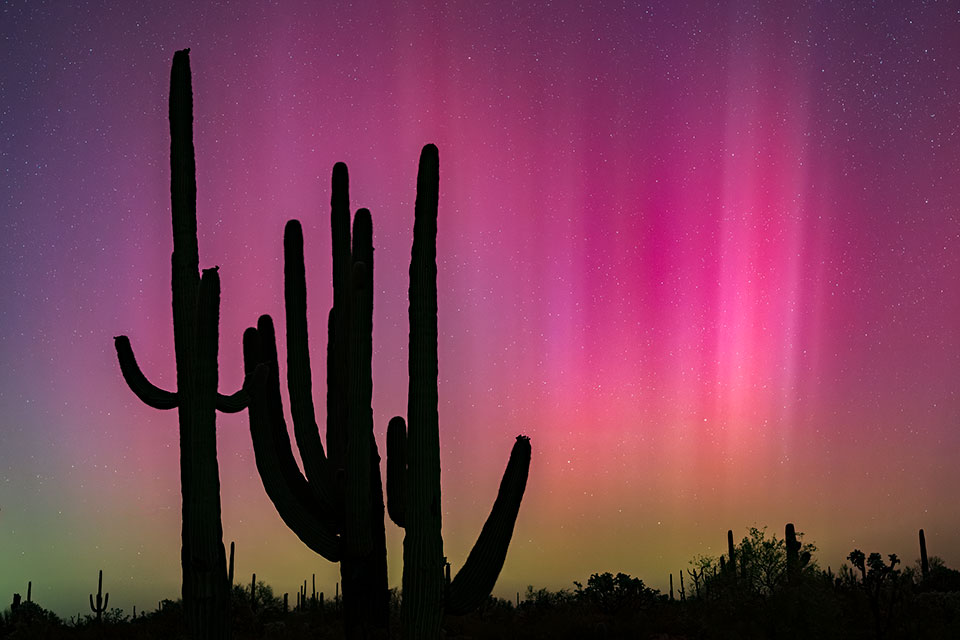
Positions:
{"x": 704, "y": 253}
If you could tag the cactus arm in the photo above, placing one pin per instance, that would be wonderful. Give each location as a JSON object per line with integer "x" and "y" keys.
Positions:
{"x": 299, "y": 382}
{"x": 233, "y": 403}
{"x": 92, "y": 608}
{"x": 338, "y": 324}
{"x": 475, "y": 580}
{"x": 157, "y": 398}
{"x": 150, "y": 394}
{"x": 286, "y": 487}
{"x": 106, "y": 599}
{"x": 397, "y": 470}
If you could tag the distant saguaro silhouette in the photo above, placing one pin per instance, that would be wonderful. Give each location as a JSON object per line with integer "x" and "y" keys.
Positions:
{"x": 196, "y": 317}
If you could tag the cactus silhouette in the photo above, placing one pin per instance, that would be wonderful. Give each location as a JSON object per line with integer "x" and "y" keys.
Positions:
{"x": 101, "y": 599}
{"x": 337, "y": 509}
{"x": 415, "y": 499}
{"x": 924, "y": 563}
{"x": 731, "y": 553}
{"x": 196, "y": 314}
{"x": 795, "y": 560}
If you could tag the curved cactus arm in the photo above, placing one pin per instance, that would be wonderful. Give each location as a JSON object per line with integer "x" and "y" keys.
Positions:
{"x": 150, "y": 394}
{"x": 397, "y": 470}
{"x": 286, "y": 487}
{"x": 476, "y": 579}
{"x": 157, "y": 398}
{"x": 92, "y": 608}
{"x": 299, "y": 382}
{"x": 106, "y": 599}
{"x": 234, "y": 403}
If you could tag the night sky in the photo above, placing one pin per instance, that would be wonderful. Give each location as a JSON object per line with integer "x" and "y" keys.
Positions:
{"x": 705, "y": 254}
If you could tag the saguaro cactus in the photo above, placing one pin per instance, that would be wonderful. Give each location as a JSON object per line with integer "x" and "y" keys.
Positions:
{"x": 924, "y": 563}
{"x": 196, "y": 314}
{"x": 337, "y": 509}
{"x": 796, "y": 561}
{"x": 731, "y": 554}
{"x": 102, "y": 600}
{"x": 413, "y": 491}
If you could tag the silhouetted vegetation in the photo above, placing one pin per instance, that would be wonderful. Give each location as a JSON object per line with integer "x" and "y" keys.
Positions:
{"x": 337, "y": 509}
{"x": 873, "y": 597}
{"x": 196, "y": 318}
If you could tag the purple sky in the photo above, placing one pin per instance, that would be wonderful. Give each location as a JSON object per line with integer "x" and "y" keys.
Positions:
{"x": 704, "y": 253}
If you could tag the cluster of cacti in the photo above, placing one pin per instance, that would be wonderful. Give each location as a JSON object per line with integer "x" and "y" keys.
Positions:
{"x": 337, "y": 508}
{"x": 101, "y": 604}
{"x": 196, "y": 312}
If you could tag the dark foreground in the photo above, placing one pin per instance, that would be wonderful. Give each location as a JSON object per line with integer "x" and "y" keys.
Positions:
{"x": 608, "y": 607}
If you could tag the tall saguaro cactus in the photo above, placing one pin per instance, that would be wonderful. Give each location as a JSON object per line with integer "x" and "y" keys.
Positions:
{"x": 413, "y": 453}
{"x": 101, "y": 607}
{"x": 196, "y": 315}
{"x": 337, "y": 509}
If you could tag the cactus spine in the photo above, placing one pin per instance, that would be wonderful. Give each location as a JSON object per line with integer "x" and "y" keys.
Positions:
{"x": 102, "y": 599}
{"x": 419, "y": 444}
{"x": 196, "y": 311}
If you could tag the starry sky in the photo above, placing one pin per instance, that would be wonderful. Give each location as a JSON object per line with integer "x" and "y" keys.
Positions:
{"x": 705, "y": 254}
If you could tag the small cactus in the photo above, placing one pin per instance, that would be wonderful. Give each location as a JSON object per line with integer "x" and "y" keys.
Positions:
{"x": 102, "y": 599}
{"x": 731, "y": 554}
{"x": 796, "y": 561}
{"x": 924, "y": 563}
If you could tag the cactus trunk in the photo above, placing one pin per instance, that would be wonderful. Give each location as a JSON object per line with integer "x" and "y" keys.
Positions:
{"x": 423, "y": 544}
{"x": 413, "y": 489}
{"x": 196, "y": 309}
